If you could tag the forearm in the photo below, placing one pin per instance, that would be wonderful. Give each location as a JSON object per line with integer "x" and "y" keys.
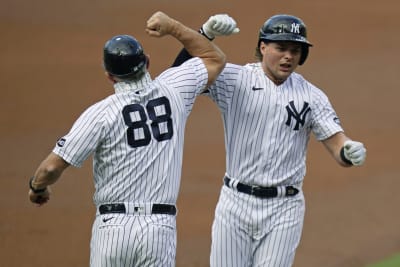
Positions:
{"x": 217, "y": 25}
{"x": 334, "y": 144}
{"x": 346, "y": 151}
{"x": 49, "y": 171}
{"x": 184, "y": 54}
{"x": 44, "y": 177}
{"x": 196, "y": 45}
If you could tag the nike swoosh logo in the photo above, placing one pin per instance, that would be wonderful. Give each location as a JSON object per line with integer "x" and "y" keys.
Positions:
{"x": 107, "y": 219}
{"x": 256, "y": 88}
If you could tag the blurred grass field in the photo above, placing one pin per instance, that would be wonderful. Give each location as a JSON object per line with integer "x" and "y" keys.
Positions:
{"x": 393, "y": 261}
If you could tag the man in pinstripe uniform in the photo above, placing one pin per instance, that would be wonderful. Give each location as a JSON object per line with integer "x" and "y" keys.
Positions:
{"x": 136, "y": 138}
{"x": 269, "y": 112}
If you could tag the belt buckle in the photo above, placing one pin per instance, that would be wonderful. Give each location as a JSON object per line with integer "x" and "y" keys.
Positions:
{"x": 254, "y": 189}
{"x": 108, "y": 207}
{"x": 291, "y": 191}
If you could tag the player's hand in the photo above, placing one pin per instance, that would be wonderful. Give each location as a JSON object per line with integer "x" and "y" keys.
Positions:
{"x": 355, "y": 152}
{"x": 40, "y": 198}
{"x": 159, "y": 24}
{"x": 217, "y": 25}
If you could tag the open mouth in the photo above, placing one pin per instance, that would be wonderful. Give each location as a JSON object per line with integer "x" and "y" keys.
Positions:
{"x": 285, "y": 66}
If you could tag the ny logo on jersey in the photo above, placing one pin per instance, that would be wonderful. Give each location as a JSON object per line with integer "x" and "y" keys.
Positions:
{"x": 295, "y": 28}
{"x": 300, "y": 117}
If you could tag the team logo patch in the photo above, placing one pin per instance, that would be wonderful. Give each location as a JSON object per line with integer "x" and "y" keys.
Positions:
{"x": 61, "y": 142}
{"x": 336, "y": 120}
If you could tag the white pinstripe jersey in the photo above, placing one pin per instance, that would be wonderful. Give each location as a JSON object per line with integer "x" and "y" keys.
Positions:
{"x": 136, "y": 136}
{"x": 267, "y": 127}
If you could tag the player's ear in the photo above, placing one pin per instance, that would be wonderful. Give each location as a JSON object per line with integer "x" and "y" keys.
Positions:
{"x": 263, "y": 48}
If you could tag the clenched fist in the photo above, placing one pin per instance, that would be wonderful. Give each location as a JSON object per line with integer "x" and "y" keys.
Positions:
{"x": 355, "y": 152}
{"x": 220, "y": 24}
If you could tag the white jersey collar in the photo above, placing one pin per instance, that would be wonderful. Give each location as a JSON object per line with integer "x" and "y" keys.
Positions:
{"x": 134, "y": 86}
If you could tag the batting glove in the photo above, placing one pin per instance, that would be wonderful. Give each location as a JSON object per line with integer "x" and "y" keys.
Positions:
{"x": 217, "y": 25}
{"x": 355, "y": 152}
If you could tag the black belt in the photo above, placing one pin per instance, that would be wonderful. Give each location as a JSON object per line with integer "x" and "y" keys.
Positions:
{"x": 259, "y": 191}
{"x": 120, "y": 208}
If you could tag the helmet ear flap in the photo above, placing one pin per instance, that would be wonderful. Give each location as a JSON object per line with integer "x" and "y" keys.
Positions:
{"x": 304, "y": 54}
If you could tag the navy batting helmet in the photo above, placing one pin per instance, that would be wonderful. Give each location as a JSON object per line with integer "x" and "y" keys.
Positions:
{"x": 285, "y": 28}
{"x": 124, "y": 57}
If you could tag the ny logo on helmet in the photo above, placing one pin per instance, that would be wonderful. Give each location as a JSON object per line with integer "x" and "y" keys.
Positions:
{"x": 295, "y": 28}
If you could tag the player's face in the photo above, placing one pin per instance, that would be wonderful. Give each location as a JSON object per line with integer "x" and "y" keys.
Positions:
{"x": 280, "y": 59}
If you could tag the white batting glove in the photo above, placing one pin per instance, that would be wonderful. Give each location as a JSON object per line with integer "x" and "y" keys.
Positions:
{"x": 217, "y": 25}
{"x": 355, "y": 152}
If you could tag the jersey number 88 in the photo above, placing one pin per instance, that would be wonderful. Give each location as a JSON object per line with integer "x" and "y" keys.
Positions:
{"x": 156, "y": 121}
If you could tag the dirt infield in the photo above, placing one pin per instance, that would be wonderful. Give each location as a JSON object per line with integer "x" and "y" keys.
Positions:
{"x": 51, "y": 71}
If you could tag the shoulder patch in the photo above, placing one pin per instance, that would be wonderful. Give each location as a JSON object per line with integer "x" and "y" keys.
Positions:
{"x": 336, "y": 120}
{"x": 61, "y": 142}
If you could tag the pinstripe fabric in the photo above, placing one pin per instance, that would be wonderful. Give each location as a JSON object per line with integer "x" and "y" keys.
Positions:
{"x": 256, "y": 134}
{"x": 249, "y": 231}
{"x": 136, "y": 138}
{"x": 267, "y": 129}
{"x": 133, "y": 241}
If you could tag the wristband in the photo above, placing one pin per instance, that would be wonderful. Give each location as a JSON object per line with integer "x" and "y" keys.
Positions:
{"x": 201, "y": 31}
{"x": 36, "y": 191}
{"x": 343, "y": 157}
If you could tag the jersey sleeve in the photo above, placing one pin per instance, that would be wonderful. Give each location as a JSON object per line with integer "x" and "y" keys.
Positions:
{"x": 192, "y": 75}
{"x": 188, "y": 80}
{"x": 83, "y": 138}
{"x": 222, "y": 90}
{"x": 325, "y": 121}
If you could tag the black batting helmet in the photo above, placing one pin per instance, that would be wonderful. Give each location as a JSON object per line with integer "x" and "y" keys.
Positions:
{"x": 285, "y": 28}
{"x": 124, "y": 57}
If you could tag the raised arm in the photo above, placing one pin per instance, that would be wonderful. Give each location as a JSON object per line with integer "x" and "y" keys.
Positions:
{"x": 217, "y": 25}
{"x": 159, "y": 24}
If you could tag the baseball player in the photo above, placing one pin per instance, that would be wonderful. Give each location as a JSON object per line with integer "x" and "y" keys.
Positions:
{"x": 136, "y": 138}
{"x": 269, "y": 112}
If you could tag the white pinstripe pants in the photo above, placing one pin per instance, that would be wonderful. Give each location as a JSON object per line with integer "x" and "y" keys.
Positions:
{"x": 249, "y": 231}
{"x": 123, "y": 240}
